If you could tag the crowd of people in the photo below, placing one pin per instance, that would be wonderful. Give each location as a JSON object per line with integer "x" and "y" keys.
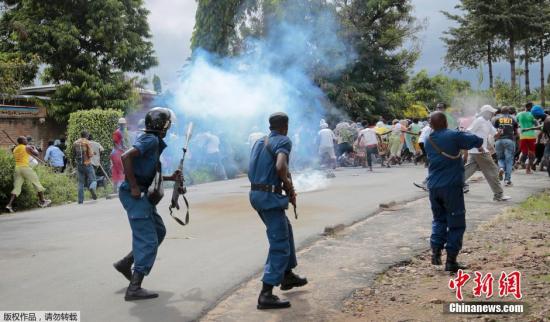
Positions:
{"x": 86, "y": 162}
{"x": 512, "y": 140}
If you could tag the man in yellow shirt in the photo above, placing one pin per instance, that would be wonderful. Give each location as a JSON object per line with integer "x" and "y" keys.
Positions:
{"x": 23, "y": 172}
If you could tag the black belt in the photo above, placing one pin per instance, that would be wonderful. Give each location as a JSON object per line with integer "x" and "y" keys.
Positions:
{"x": 266, "y": 188}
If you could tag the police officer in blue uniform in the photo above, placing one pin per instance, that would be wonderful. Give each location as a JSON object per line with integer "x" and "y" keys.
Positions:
{"x": 269, "y": 177}
{"x": 445, "y": 184}
{"x": 139, "y": 198}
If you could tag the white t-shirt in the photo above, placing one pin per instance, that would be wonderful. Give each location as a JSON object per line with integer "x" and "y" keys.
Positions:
{"x": 96, "y": 149}
{"x": 212, "y": 143}
{"x": 484, "y": 129}
{"x": 424, "y": 133}
{"x": 326, "y": 138}
{"x": 368, "y": 137}
{"x": 253, "y": 137}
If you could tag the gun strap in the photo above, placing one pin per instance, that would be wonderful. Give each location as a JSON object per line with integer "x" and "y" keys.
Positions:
{"x": 443, "y": 153}
{"x": 179, "y": 221}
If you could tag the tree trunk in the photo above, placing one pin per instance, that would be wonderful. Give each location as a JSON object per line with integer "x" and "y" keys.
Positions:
{"x": 490, "y": 63}
{"x": 512, "y": 59}
{"x": 527, "y": 59}
{"x": 542, "y": 84}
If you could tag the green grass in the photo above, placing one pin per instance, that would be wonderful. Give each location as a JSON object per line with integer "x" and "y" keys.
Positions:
{"x": 535, "y": 208}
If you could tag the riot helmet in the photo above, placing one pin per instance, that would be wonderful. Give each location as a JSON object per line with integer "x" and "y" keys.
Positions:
{"x": 158, "y": 120}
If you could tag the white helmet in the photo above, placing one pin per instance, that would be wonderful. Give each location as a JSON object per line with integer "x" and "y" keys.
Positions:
{"x": 121, "y": 120}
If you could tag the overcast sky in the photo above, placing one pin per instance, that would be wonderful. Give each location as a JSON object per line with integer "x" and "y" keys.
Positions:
{"x": 172, "y": 25}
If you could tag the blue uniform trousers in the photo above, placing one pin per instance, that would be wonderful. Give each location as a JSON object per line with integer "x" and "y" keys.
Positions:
{"x": 282, "y": 254}
{"x": 148, "y": 230}
{"x": 449, "y": 218}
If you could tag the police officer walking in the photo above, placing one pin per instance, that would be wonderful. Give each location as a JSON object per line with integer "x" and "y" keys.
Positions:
{"x": 269, "y": 177}
{"x": 139, "y": 194}
{"x": 445, "y": 184}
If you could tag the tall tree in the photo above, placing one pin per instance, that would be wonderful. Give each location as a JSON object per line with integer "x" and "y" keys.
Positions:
{"x": 215, "y": 25}
{"x": 157, "y": 84}
{"x": 543, "y": 42}
{"x": 509, "y": 20}
{"x": 377, "y": 29}
{"x": 468, "y": 45}
{"x": 86, "y": 46}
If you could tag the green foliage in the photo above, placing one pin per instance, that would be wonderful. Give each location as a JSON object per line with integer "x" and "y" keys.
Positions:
{"x": 416, "y": 111}
{"x": 86, "y": 47}
{"x": 492, "y": 29}
{"x": 157, "y": 84}
{"x": 215, "y": 25}
{"x": 15, "y": 72}
{"x": 377, "y": 29}
{"x": 505, "y": 94}
{"x": 423, "y": 91}
{"x": 7, "y": 164}
{"x": 60, "y": 188}
{"x": 100, "y": 123}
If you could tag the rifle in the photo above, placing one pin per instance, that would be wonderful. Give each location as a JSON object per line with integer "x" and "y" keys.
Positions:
{"x": 287, "y": 192}
{"x": 179, "y": 184}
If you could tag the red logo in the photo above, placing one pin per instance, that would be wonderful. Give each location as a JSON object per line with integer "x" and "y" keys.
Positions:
{"x": 508, "y": 284}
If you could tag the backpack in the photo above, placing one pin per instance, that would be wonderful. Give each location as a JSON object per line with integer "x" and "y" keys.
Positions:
{"x": 79, "y": 152}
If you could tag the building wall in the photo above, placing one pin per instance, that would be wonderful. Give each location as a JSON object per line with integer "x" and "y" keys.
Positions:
{"x": 42, "y": 130}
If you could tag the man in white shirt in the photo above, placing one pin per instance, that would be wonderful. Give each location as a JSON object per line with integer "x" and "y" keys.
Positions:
{"x": 424, "y": 134}
{"x": 480, "y": 159}
{"x": 326, "y": 140}
{"x": 97, "y": 149}
{"x": 213, "y": 155}
{"x": 254, "y": 136}
{"x": 367, "y": 139}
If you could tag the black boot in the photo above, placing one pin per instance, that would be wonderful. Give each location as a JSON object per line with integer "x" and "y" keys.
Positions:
{"x": 292, "y": 280}
{"x": 436, "y": 256}
{"x": 267, "y": 300}
{"x": 135, "y": 292}
{"x": 124, "y": 266}
{"x": 452, "y": 265}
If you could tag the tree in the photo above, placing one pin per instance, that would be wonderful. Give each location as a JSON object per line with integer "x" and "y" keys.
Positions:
{"x": 86, "y": 46}
{"x": 506, "y": 19}
{"x": 543, "y": 42}
{"x": 215, "y": 25}
{"x": 377, "y": 29}
{"x": 157, "y": 85}
{"x": 468, "y": 45}
{"x": 15, "y": 73}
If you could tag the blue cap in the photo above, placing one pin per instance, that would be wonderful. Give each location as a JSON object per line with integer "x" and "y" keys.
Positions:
{"x": 537, "y": 111}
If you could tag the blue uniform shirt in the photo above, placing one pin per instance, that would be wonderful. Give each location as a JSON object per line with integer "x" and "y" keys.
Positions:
{"x": 150, "y": 148}
{"x": 262, "y": 170}
{"x": 445, "y": 172}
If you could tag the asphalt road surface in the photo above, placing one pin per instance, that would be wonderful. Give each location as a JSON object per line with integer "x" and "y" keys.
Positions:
{"x": 60, "y": 258}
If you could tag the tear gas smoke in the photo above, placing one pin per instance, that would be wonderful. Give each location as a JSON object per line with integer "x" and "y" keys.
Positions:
{"x": 310, "y": 181}
{"x": 468, "y": 104}
{"x": 231, "y": 98}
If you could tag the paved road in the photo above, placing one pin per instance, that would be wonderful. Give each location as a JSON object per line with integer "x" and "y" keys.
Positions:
{"x": 338, "y": 264}
{"x": 60, "y": 258}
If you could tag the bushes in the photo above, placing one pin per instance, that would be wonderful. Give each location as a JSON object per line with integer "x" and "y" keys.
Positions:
{"x": 100, "y": 123}
{"x": 7, "y": 164}
{"x": 60, "y": 188}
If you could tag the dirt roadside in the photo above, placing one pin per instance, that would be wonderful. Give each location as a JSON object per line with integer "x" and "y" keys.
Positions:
{"x": 352, "y": 258}
{"x": 518, "y": 239}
